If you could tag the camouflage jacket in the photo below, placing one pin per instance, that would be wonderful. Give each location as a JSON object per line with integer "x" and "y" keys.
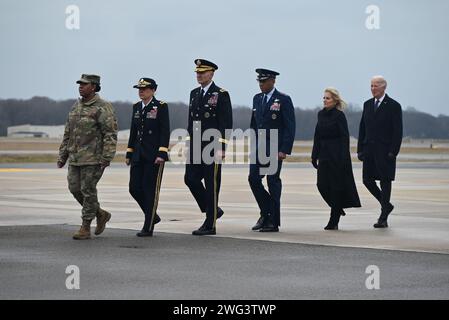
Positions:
{"x": 90, "y": 134}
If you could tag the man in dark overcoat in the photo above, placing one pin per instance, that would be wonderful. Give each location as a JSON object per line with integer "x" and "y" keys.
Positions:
{"x": 380, "y": 138}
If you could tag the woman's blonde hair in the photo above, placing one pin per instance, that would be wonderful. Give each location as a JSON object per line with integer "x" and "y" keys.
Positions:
{"x": 340, "y": 103}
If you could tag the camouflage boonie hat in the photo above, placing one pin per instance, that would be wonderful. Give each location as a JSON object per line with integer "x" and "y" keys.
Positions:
{"x": 89, "y": 78}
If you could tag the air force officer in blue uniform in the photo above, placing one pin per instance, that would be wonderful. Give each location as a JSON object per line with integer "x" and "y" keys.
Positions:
{"x": 271, "y": 110}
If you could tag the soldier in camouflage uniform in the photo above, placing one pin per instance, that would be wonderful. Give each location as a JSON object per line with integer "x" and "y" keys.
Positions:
{"x": 89, "y": 144}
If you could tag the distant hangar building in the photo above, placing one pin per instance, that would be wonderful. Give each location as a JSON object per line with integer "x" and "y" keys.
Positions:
{"x": 33, "y": 131}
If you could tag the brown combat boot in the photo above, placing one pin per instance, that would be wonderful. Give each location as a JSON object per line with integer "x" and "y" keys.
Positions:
{"x": 84, "y": 231}
{"x": 102, "y": 217}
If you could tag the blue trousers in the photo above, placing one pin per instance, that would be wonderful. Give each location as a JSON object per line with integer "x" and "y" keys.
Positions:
{"x": 269, "y": 201}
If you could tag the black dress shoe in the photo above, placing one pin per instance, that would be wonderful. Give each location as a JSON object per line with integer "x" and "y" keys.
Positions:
{"x": 144, "y": 233}
{"x": 204, "y": 226}
{"x": 204, "y": 232}
{"x": 269, "y": 227}
{"x": 259, "y": 224}
{"x": 381, "y": 224}
{"x": 220, "y": 213}
{"x": 331, "y": 227}
{"x": 157, "y": 219}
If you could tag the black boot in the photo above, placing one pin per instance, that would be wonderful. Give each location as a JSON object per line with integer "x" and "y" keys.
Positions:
{"x": 334, "y": 219}
{"x": 382, "y": 221}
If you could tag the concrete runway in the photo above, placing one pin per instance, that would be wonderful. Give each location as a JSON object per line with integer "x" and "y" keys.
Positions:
{"x": 119, "y": 265}
{"x": 38, "y": 216}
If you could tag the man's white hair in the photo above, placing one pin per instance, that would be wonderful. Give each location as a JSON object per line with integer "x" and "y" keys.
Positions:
{"x": 380, "y": 79}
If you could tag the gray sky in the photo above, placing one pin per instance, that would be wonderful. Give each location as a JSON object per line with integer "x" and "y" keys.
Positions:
{"x": 313, "y": 44}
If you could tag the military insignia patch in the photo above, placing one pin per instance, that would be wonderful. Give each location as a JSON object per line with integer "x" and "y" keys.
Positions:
{"x": 276, "y": 106}
{"x": 137, "y": 115}
{"x": 213, "y": 100}
{"x": 152, "y": 114}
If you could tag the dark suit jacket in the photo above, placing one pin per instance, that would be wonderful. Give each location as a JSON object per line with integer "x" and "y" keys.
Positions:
{"x": 214, "y": 111}
{"x": 279, "y": 114}
{"x": 150, "y": 132}
{"x": 380, "y": 133}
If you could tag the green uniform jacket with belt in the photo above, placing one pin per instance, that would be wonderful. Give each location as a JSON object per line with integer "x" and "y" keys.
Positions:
{"x": 90, "y": 134}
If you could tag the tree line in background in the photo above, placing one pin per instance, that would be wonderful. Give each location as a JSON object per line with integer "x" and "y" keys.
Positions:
{"x": 45, "y": 111}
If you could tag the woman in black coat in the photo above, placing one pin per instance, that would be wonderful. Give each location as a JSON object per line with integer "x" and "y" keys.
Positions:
{"x": 332, "y": 158}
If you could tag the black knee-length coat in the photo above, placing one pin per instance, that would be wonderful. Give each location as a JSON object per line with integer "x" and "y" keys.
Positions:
{"x": 335, "y": 179}
{"x": 380, "y": 134}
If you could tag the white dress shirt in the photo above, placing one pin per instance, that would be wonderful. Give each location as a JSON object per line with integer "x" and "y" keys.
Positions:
{"x": 144, "y": 105}
{"x": 380, "y": 100}
{"x": 268, "y": 95}
{"x": 206, "y": 87}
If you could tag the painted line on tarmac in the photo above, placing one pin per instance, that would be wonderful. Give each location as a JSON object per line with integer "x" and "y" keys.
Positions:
{"x": 18, "y": 170}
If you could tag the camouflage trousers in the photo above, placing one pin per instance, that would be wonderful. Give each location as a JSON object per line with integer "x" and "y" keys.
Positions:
{"x": 83, "y": 185}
